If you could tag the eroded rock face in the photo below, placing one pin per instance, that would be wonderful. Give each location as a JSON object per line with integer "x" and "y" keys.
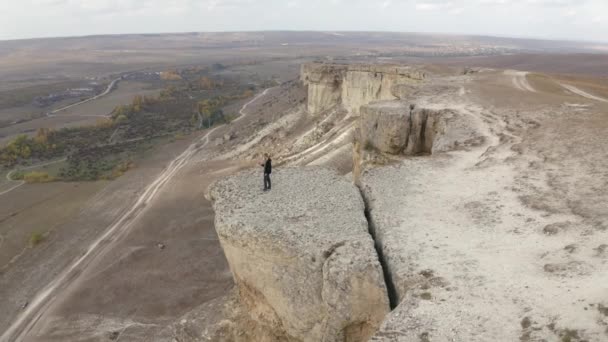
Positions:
{"x": 385, "y": 126}
{"x": 324, "y": 83}
{"x": 400, "y": 127}
{"x": 301, "y": 255}
{"x": 355, "y": 85}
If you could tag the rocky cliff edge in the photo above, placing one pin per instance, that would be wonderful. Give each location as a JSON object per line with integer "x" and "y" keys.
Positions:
{"x": 301, "y": 255}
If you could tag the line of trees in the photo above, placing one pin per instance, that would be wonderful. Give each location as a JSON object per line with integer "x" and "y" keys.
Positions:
{"x": 90, "y": 156}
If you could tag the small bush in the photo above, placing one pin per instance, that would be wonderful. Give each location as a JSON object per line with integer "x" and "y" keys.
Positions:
{"x": 426, "y": 296}
{"x": 17, "y": 175}
{"x": 36, "y": 238}
{"x": 120, "y": 118}
{"x": 38, "y": 177}
{"x": 569, "y": 335}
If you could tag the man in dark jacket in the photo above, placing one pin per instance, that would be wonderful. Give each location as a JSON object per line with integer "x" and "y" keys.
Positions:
{"x": 267, "y": 171}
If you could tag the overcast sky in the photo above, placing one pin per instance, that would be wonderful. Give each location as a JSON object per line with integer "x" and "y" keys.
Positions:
{"x": 555, "y": 19}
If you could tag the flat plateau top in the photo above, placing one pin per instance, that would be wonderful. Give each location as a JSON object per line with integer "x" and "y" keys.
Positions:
{"x": 310, "y": 205}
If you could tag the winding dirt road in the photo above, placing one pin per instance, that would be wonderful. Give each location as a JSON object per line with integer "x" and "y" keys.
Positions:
{"x": 106, "y": 92}
{"x": 30, "y": 316}
{"x": 20, "y": 183}
{"x": 242, "y": 111}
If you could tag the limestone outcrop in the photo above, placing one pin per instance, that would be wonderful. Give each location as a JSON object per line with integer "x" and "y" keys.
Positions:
{"x": 389, "y": 130}
{"x": 403, "y": 128}
{"x": 354, "y": 85}
{"x": 301, "y": 255}
{"x": 324, "y": 83}
{"x": 385, "y": 126}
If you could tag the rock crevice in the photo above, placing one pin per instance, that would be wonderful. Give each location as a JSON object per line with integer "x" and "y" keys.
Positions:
{"x": 386, "y": 271}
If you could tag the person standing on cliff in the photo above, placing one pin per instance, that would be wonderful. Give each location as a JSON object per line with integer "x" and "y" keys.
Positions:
{"x": 267, "y": 165}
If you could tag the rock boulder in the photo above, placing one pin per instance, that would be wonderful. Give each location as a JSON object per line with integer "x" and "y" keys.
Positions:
{"x": 403, "y": 128}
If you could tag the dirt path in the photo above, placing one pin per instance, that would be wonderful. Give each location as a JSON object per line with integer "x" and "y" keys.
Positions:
{"x": 242, "y": 111}
{"x": 20, "y": 183}
{"x": 520, "y": 81}
{"x": 106, "y": 92}
{"x": 39, "y": 305}
{"x": 583, "y": 93}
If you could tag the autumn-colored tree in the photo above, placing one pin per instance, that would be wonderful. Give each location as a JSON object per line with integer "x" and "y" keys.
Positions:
{"x": 42, "y": 136}
{"x": 138, "y": 103}
{"x": 194, "y": 120}
{"x": 247, "y": 93}
{"x": 104, "y": 123}
{"x": 168, "y": 93}
{"x": 121, "y": 111}
{"x": 206, "y": 83}
{"x": 120, "y": 118}
{"x": 18, "y": 148}
{"x": 171, "y": 75}
{"x": 149, "y": 100}
{"x": 202, "y": 105}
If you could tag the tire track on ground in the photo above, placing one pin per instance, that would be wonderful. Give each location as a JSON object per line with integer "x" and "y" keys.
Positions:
{"x": 106, "y": 92}
{"x": 520, "y": 80}
{"x": 583, "y": 93}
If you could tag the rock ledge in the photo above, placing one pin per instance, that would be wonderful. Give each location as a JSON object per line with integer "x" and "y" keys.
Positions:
{"x": 301, "y": 255}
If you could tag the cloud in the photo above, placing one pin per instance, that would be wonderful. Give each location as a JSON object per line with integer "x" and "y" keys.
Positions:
{"x": 585, "y": 19}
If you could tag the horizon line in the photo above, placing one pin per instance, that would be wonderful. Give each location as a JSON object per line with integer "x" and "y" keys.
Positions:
{"x": 566, "y": 40}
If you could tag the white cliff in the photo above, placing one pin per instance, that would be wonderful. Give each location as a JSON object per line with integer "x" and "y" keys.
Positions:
{"x": 355, "y": 85}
